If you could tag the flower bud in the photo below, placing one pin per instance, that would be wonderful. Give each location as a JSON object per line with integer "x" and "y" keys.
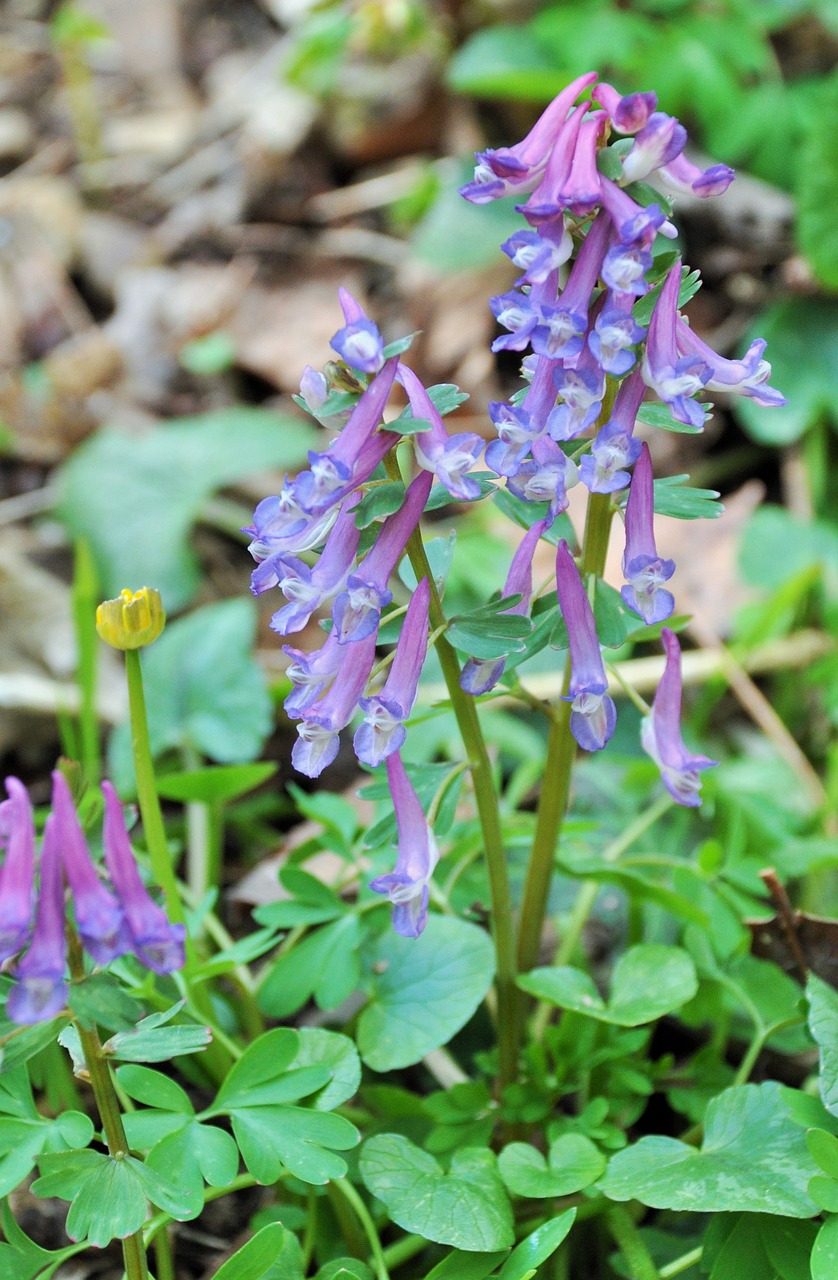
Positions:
{"x": 133, "y": 620}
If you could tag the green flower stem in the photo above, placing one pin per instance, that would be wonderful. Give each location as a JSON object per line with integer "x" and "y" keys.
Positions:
{"x": 678, "y": 1265}
{"x": 631, "y": 1244}
{"x": 101, "y": 1082}
{"x": 403, "y": 1250}
{"x": 486, "y": 797}
{"x": 163, "y": 1257}
{"x": 362, "y": 1213}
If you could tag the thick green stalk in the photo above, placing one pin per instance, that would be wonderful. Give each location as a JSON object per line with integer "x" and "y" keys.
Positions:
{"x": 488, "y": 812}
{"x": 631, "y": 1244}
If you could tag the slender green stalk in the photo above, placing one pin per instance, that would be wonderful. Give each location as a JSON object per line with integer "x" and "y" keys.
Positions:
{"x": 85, "y": 596}
{"x": 678, "y": 1265}
{"x": 488, "y": 812}
{"x": 631, "y": 1244}
{"x": 362, "y": 1213}
{"x": 403, "y": 1250}
{"x": 163, "y": 1256}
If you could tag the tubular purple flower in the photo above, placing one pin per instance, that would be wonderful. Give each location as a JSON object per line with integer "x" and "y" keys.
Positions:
{"x": 449, "y": 458}
{"x": 158, "y": 944}
{"x": 318, "y": 732}
{"x": 633, "y": 223}
{"x": 518, "y": 426}
{"x": 539, "y": 253}
{"x": 311, "y": 674}
{"x": 658, "y": 143}
{"x": 674, "y": 378}
{"x": 548, "y": 200}
{"x": 627, "y": 114}
{"x": 407, "y": 884}
{"x": 40, "y": 992}
{"x": 593, "y": 714}
{"x": 681, "y": 175}
{"x": 624, "y": 268}
{"x": 614, "y": 446}
{"x": 383, "y": 730}
{"x": 518, "y": 169}
{"x": 479, "y": 676}
{"x": 580, "y": 390}
{"x": 359, "y": 342}
{"x": 354, "y": 454}
{"x": 644, "y": 570}
{"x": 515, "y": 311}
{"x": 746, "y": 377}
{"x": 546, "y": 477}
{"x": 560, "y": 329}
{"x": 17, "y": 875}
{"x": 314, "y": 388}
{"x": 660, "y": 732}
{"x": 99, "y": 917}
{"x": 357, "y": 610}
{"x": 615, "y": 331}
{"x": 307, "y": 588}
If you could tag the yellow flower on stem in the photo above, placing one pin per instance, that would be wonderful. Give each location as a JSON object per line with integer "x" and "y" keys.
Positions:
{"x": 131, "y": 621}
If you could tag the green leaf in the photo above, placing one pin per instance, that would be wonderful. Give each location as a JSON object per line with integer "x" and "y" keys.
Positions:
{"x": 573, "y": 1162}
{"x": 658, "y": 415}
{"x": 422, "y": 991}
{"x": 19, "y": 1044}
{"x": 466, "y": 1208}
{"x": 823, "y": 1148}
{"x": 816, "y": 188}
{"x": 751, "y": 1246}
{"x": 218, "y": 784}
{"x": 673, "y": 497}
{"x": 754, "y": 1158}
{"x": 440, "y": 553}
{"x": 344, "y": 1269}
{"x": 100, "y": 999}
{"x": 802, "y": 337}
{"x": 505, "y": 61}
{"x": 824, "y": 1256}
{"x": 648, "y": 981}
{"x": 540, "y": 1245}
{"x": 204, "y": 690}
{"x": 488, "y": 634}
{"x": 776, "y": 548}
{"x": 135, "y": 498}
{"x": 466, "y": 1266}
{"x": 152, "y": 1041}
{"x": 324, "y": 965}
{"x": 319, "y": 1047}
{"x": 273, "y": 1254}
{"x": 379, "y": 502}
{"x": 210, "y": 354}
{"x": 823, "y": 1024}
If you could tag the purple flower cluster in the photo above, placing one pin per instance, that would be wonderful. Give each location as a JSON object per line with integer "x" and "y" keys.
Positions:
{"x": 111, "y": 922}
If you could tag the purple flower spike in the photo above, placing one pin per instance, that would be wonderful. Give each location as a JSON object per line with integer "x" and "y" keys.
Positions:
{"x": 560, "y": 329}
{"x": 40, "y": 992}
{"x": 518, "y": 169}
{"x": 99, "y": 916}
{"x": 658, "y": 143}
{"x": 355, "y": 453}
{"x": 593, "y": 714}
{"x": 407, "y": 884}
{"x": 480, "y": 676}
{"x": 614, "y": 447}
{"x": 449, "y": 457}
{"x": 615, "y": 331}
{"x": 17, "y": 876}
{"x": 155, "y": 942}
{"x": 519, "y": 426}
{"x": 746, "y": 377}
{"x": 682, "y": 176}
{"x": 359, "y": 342}
{"x": 629, "y": 114}
{"x": 660, "y": 732}
{"x": 645, "y": 572}
{"x": 624, "y": 268}
{"x": 357, "y": 610}
{"x": 318, "y": 733}
{"x": 306, "y": 588}
{"x": 383, "y": 730}
{"x": 675, "y": 378}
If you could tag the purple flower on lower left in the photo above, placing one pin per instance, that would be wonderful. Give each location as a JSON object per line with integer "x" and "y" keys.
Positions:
{"x": 407, "y": 884}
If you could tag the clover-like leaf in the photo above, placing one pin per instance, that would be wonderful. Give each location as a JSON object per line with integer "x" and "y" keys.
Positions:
{"x": 541, "y": 1244}
{"x": 648, "y": 981}
{"x": 466, "y": 1207}
{"x": 152, "y": 1041}
{"x": 573, "y": 1162}
{"x": 274, "y": 1253}
{"x": 754, "y": 1158}
{"x": 823, "y": 1024}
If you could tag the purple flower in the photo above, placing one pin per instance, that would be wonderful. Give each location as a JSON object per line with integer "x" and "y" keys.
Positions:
{"x": 615, "y": 331}
{"x": 644, "y": 570}
{"x": 560, "y": 329}
{"x": 448, "y": 457}
{"x": 661, "y": 732}
{"x": 99, "y": 917}
{"x": 519, "y": 426}
{"x": 306, "y": 588}
{"x": 746, "y": 377}
{"x": 40, "y": 991}
{"x": 311, "y": 674}
{"x": 314, "y": 388}
{"x": 580, "y": 390}
{"x": 383, "y": 730}
{"x": 624, "y": 268}
{"x": 17, "y": 876}
{"x": 357, "y": 610}
{"x": 633, "y": 223}
{"x": 518, "y": 169}
{"x": 156, "y": 943}
{"x": 614, "y": 446}
{"x": 549, "y": 198}
{"x": 681, "y": 175}
{"x": 629, "y": 114}
{"x": 358, "y": 343}
{"x": 355, "y": 453}
{"x": 675, "y": 378}
{"x": 658, "y": 143}
{"x": 546, "y": 477}
{"x": 407, "y": 884}
{"x": 479, "y": 676}
{"x": 516, "y": 313}
{"x": 593, "y": 714}
{"x": 539, "y": 253}
{"x": 318, "y": 732}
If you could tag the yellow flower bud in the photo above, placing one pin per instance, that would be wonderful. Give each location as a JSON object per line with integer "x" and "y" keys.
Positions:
{"x": 133, "y": 620}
